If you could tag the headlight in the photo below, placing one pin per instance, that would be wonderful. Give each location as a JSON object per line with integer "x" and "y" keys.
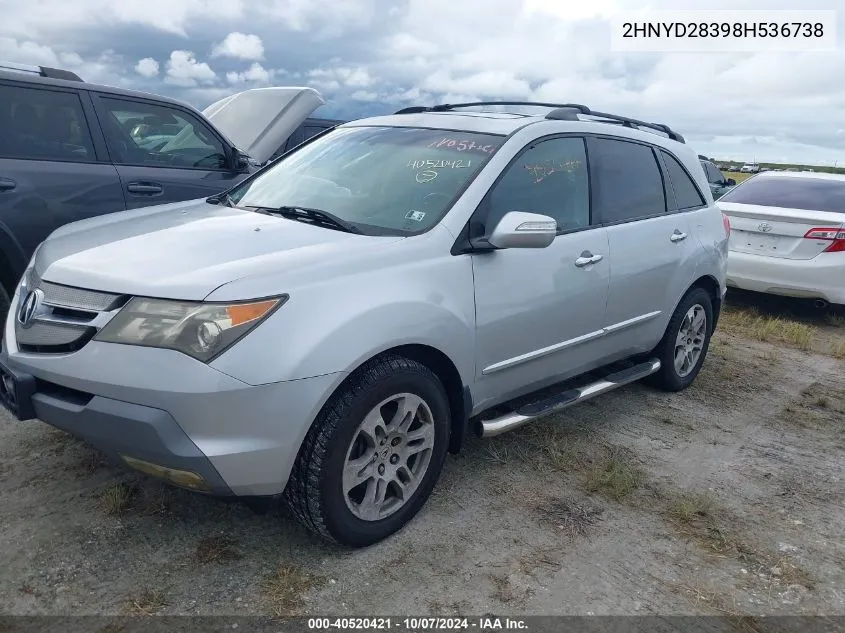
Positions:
{"x": 200, "y": 330}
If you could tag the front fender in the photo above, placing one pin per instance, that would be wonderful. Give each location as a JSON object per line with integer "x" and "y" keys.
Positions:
{"x": 335, "y": 326}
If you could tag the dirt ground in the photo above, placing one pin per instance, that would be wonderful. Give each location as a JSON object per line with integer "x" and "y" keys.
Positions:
{"x": 726, "y": 498}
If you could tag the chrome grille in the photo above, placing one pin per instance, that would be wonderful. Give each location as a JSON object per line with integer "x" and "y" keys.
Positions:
{"x": 77, "y": 298}
{"x": 44, "y": 335}
{"x": 65, "y": 319}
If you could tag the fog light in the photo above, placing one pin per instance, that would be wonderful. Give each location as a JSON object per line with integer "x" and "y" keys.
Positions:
{"x": 181, "y": 478}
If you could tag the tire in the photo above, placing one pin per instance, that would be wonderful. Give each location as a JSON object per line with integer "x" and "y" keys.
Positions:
{"x": 316, "y": 493}
{"x": 4, "y": 309}
{"x": 669, "y": 377}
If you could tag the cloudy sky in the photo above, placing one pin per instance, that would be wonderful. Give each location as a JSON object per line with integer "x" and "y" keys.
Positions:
{"x": 374, "y": 56}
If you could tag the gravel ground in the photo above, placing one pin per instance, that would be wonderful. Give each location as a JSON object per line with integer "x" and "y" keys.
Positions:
{"x": 726, "y": 498}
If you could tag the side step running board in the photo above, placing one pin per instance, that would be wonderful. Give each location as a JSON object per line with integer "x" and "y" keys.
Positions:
{"x": 561, "y": 401}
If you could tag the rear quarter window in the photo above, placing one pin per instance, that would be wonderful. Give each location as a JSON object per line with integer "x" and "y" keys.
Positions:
{"x": 812, "y": 194}
{"x": 687, "y": 195}
{"x": 43, "y": 124}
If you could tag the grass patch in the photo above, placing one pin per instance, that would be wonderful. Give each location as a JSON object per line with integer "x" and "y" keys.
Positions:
{"x": 573, "y": 518}
{"x": 836, "y": 320}
{"x": 687, "y": 508}
{"x": 752, "y": 324}
{"x": 116, "y": 499}
{"x": 614, "y": 473}
{"x": 93, "y": 462}
{"x": 837, "y": 349}
{"x": 147, "y": 602}
{"x": 285, "y": 587}
{"x": 698, "y": 518}
{"x": 215, "y": 549}
{"x": 819, "y": 406}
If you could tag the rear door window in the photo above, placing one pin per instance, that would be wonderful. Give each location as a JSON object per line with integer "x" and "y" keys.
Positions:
{"x": 626, "y": 180}
{"x": 687, "y": 195}
{"x": 812, "y": 194}
{"x": 43, "y": 124}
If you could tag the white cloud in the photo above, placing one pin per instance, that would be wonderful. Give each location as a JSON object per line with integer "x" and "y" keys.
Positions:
{"x": 364, "y": 95}
{"x": 60, "y": 16}
{"x": 183, "y": 69}
{"x": 147, "y": 67}
{"x": 240, "y": 46}
{"x": 28, "y": 52}
{"x": 254, "y": 74}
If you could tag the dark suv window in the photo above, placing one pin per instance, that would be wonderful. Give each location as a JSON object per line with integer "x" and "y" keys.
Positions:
{"x": 713, "y": 174}
{"x": 44, "y": 125}
{"x": 148, "y": 134}
{"x": 549, "y": 178}
{"x": 627, "y": 183}
{"x": 687, "y": 195}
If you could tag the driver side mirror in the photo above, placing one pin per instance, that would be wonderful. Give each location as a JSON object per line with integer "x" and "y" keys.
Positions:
{"x": 730, "y": 182}
{"x": 241, "y": 162}
{"x": 518, "y": 229}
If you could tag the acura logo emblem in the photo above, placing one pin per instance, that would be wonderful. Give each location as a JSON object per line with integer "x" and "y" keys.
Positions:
{"x": 29, "y": 307}
{"x": 765, "y": 227}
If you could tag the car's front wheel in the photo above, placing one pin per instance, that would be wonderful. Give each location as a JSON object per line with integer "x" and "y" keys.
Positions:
{"x": 684, "y": 345}
{"x": 373, "y": 455}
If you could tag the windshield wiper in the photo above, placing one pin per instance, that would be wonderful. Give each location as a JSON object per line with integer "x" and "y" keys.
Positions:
{"x": 307, "y": 213}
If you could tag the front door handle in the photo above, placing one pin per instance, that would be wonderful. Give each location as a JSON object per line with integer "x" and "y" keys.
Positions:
{"x": 587, "y": 258}
{"x": 677, "y": 236}
{"x": 7, "y": 184}
{"x": 144, "y": 188}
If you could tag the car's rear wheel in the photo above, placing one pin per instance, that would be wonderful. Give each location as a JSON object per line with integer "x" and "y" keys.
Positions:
{"x": 373, "y": 455}
{"x": 684, "y": 345}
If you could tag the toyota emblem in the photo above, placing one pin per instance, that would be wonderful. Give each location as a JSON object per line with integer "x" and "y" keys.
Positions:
{"x": 764, "y": 227}
{"x": 29, "y": 307}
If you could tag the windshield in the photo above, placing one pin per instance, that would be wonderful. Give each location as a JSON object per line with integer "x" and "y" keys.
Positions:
{"x": 383, "y": 180}
{"x": 812, "y": 194}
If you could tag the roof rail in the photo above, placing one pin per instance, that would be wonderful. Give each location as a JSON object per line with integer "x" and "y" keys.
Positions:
{"x": 562, "y": 111}
{"x": 41, "y": 71}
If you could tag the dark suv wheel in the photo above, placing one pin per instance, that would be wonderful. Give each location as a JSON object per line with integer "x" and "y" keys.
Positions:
{"x": 4, "y": 309}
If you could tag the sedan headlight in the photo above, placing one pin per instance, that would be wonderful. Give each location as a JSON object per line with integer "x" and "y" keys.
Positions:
{"x": 200, "y": 330}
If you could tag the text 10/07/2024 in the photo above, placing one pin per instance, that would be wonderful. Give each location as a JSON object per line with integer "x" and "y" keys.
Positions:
{"x": 414, "y": 624}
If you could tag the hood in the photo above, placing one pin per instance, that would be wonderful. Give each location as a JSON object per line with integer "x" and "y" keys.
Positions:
{"x": 187, "y": 250}
{"x": 259, "y": 121}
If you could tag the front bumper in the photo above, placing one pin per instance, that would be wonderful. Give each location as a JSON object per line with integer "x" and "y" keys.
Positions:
{"x": 163, "y": 407}
{"x": 818, "y": 278}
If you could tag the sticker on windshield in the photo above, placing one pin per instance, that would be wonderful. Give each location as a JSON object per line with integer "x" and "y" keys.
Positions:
{"x": 416, "y": 216}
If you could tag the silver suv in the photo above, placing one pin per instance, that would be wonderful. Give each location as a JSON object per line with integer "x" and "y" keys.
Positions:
{"x": 328, "y": 329}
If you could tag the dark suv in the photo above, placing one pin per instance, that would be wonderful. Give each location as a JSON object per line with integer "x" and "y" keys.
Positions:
{"x": 71, "y": 150}
{"x": 719, "y": 185}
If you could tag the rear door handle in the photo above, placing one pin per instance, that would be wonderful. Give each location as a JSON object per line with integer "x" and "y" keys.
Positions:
{"x": 587, "y": 258}
{"x": 677, "y": 236}
{"x": 7, "y": 184}
{"x": 144, "y": 188}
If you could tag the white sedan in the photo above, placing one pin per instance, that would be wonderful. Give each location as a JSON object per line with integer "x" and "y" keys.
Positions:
{"x": 788, "y": 235}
